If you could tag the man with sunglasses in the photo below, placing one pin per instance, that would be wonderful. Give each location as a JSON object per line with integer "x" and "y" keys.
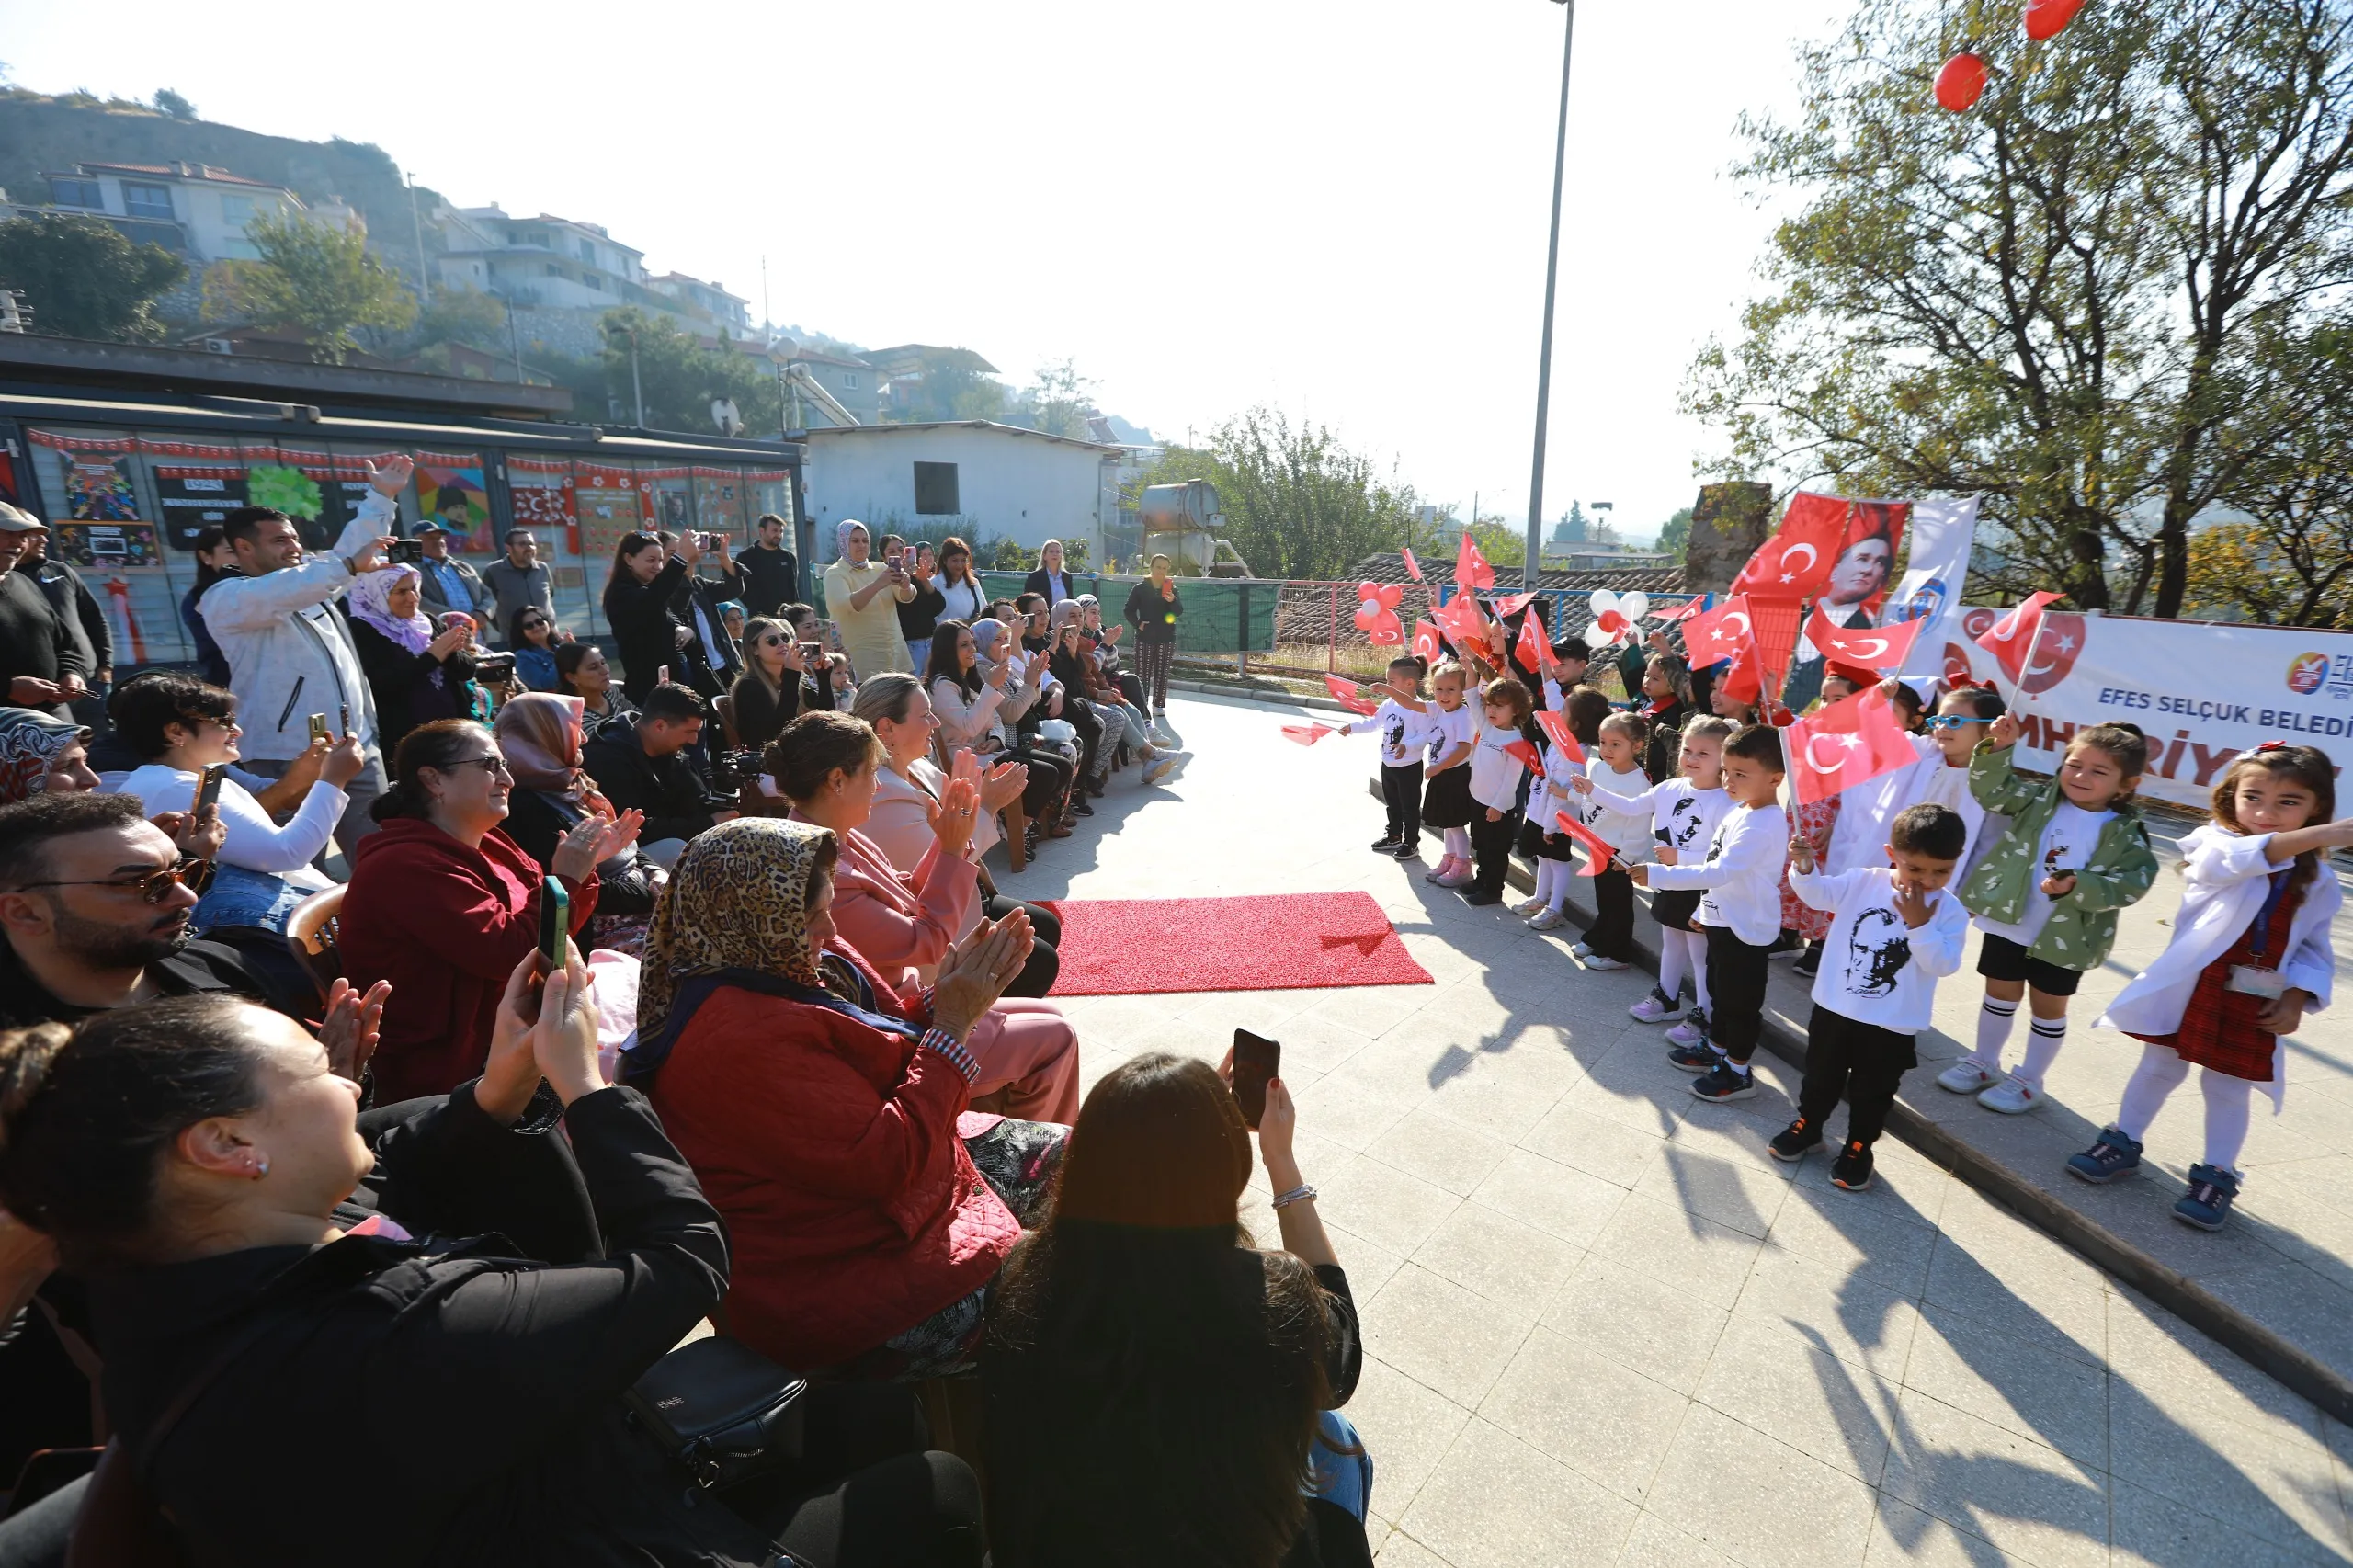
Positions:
{"x": 94, "y": 914}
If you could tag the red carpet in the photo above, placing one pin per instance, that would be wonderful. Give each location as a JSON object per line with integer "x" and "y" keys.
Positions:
{"x": 1277, "y": 942}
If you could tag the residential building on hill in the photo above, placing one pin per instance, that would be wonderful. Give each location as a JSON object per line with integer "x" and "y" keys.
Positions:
{"x": 559, "y": 275}
{"x": 854, "y": 381}
{"x": 195, "y": 211}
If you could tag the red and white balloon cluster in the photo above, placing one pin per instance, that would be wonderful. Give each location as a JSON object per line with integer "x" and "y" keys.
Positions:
{"x": 1963, "y": 76}
{"x": 1615, "y": 615}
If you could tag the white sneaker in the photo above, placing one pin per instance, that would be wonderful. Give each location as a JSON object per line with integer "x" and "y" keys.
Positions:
{"x": 1966, "y": 1077}
{"x": 1606, "y": 965}
{"x": 1529, "y": 906}
{"x": 1657, "y": 1008}
{"x": 1580, "y": 949}
{"x": 1161, "y": 768}
{"x": 2012, "y": 1096}
{"x": 1547, "y": 917}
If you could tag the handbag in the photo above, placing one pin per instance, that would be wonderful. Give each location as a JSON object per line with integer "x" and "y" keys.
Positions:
{"x": 720, "y": 1409}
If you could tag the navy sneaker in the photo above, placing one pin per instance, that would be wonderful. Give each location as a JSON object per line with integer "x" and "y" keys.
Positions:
{"x": 1796, "y": 1140}
{"x": 1725, "y": 1082}
{"x": 1385, "y": 845}
{"x": 1851, "y": 1171}
{"x": 1479, "y": 895}
{"x": 2208, "y": 1202}
{"x": 1697, "y": 1058}
{"x": 2112, "y": 1154}
{"x": 1407, "y": 849}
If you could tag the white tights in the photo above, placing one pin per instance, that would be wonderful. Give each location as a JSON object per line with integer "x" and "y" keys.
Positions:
{"x": 1552, "y": 881}
{"x": 1457, "y": 843}
{"x": 2162, "y": 1071}
{"x": 1682, "y": 953}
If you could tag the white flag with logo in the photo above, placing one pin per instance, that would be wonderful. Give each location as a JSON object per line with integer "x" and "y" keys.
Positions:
{"x": 1943, "y": 532}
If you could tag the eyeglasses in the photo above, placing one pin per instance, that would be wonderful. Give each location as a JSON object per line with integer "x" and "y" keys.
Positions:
{"x": 154, "y": 887}
{"x": 494, "y": 765}
{"x": 1951, "y": 720}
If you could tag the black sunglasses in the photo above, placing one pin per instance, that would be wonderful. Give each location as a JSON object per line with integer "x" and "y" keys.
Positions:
{"x": 154, "y": 887}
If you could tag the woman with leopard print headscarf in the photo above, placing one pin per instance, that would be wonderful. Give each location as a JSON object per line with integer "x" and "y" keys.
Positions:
{"x": 826, "y": 1114}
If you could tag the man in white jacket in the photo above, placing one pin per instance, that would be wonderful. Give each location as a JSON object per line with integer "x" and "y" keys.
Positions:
{"x": 289, "y": 651}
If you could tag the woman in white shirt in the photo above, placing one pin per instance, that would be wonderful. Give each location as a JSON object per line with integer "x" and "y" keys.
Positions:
{"x": 181, "y": 725}
{"x": 977, "y": 703}
{"x": 966, "y": 598}
{"x": 908, "y": 792}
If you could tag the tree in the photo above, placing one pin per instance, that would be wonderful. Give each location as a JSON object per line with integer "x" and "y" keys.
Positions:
{"x": 315, "y": 278}
{"x": 1571, "y": 528}
{"x": 171, "y": 103}
{"x": 1298, "y": 503}
{"x": 2082, "y": 301}
{"x": 682, "y": 375}
{"x": 464, "y": 316}
{"x": 1676, "y": 532}
{"x": 1057, "y": 401}
{"x": 950, "y": 384}
{"x": 82, "y": 278}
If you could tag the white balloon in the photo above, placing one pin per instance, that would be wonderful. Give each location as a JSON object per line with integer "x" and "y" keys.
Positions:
{"x": 1603, "y": 602}
{"x": 1634, "y": 606}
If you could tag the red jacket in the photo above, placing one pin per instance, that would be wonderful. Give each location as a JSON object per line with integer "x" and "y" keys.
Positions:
{"x": 853, "y": 1212}
{"x": 446, "y": 925}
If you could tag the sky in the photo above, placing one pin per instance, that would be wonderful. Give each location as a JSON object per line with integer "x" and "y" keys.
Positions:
{"x": 1334, "y": 210}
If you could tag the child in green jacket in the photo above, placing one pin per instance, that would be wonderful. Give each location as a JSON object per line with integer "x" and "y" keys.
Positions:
{"x": 2046, "y": 896}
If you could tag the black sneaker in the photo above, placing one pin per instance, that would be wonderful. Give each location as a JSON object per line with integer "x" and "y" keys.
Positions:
{"x": 1851, "y": 1171}
{"x": 1407, "y": 849}
{"x": 1809, "y": 962}
{"x": 1796, "y": 1140}
{"x": 1725, "y": 1082}
{"x": 1474, "y": 894}
{"x": 1079, "y": 808}
{"x": 1789, "y": 944}
{"x": 1386, "y": 844}
{"x": 1697, "y": 1058}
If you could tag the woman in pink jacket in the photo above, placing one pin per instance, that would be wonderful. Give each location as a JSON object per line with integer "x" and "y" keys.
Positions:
{"x": 904, "y": 922}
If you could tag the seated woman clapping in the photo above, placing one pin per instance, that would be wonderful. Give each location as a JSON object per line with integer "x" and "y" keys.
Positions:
{"x": 541, "y": 734}
{"x": 825, "y": 1112}
{"x": 190, "y": 1159}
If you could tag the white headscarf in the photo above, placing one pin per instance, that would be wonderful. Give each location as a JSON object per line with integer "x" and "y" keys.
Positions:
{"x": 370, "y": 601}
{"x": 842, "y": 530}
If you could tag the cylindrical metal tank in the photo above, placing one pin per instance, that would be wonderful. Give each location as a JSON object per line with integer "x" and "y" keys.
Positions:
{"x": 1178, "y": 508}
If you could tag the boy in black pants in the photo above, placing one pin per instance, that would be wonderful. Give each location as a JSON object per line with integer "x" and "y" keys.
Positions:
{"x": 1495, "y": 786}
{"x": 1399, "y": 722}
{"x": 1741, "y": 912}
{"x": 1895, "y": 933}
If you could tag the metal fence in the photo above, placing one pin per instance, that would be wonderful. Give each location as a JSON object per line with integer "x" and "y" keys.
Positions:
{"x": 1315, "y": 630}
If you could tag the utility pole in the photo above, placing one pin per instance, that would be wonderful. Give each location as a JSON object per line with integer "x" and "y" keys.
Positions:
{"x": 1551, "y": 280}
{"x": 636, "y": 387}
{"x": 416, "y": 228}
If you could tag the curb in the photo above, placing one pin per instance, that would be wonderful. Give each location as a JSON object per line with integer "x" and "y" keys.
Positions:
{"x": 1273, "y": 697}
{"x": 2225, "y": 1324}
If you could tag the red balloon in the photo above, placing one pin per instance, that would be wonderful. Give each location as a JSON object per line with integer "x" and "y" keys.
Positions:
{"x": 2049, "y": 18}
{"x": 1959, "y": 82}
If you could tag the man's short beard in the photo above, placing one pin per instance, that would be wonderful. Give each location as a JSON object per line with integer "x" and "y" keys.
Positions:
{"x": 103, "y": 945}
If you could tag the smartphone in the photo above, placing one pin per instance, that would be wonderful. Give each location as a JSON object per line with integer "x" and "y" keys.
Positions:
{"x": 555, "y": 925}
{"x": 208, "y": 787}
{"x": 1255, "y": 1060}
{"x": 319, "y": 729}
{"x": 345, "y": 728}
{"x": 405, "y": 552}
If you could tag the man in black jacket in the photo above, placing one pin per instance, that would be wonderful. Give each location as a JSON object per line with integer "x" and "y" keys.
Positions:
{"x": 39, "y": 664}
{"x": 771, "y": 576}
{"x": 643, "y": 767}
{"x": 85, "y": 624}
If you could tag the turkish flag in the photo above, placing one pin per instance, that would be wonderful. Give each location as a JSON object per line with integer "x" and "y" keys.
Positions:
{"x": 1463, "y": 624}
{"x": 1683, "y": 611}
{"x": 1777, "y": 640}
{"x": 1306, "y": 735}
{"x": 1507, "y": 608}
{"x": 1471, "y": 568}
{"x": 1883, "y": 648}
{"x": 2011, "y": 638}
{"x": 1556, "y": 729}
{"x": 1532, "y": 647}
{"x": 1525, "y": 754}
{"x": 1597, "y": 849}
{"x": 1851, "y": 741}
{"x": 1344, "y": 693}
{"x": 1428, "y": 645}
{"x": 1413, "y": 567}
{"x": 1743, "y": 682}
{"x": 1795, "y": 563}
{"x": 1712, "y": 636}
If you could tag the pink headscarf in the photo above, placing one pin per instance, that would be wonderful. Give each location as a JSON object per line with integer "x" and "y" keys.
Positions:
{"x": 370, "y": 601}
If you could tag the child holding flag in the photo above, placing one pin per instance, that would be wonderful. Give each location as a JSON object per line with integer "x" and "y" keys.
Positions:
{"x": 1403, "y": 727}
{"x": 1498, "y": 757}
{"x": 1449, "y": 728}
{"x": 1684, "y": 811}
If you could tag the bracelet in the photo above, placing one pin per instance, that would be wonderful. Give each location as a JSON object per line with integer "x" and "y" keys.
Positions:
{"x": 1302, "y": 1193}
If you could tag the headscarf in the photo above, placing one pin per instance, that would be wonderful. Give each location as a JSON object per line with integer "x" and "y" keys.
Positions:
{"x": 371, "y": 602}
{"x": 540, "y": 733}
{"x": 737, "y": 913}
{"x": 1064, "y": 614}
{"x": 29, "y": 744}
{"x": 842, "y": 530}
{"x": 986, "y": 630}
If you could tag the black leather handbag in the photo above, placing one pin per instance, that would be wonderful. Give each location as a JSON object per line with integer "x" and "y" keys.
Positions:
{"x": 721, "y": 1409}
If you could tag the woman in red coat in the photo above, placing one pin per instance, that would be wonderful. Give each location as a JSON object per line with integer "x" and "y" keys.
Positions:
{"x": 444, "y": 905}
{"x": 825, "y": 1113}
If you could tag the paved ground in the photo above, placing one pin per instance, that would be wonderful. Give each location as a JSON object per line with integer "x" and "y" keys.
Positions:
{"x": 1604, "y": 1327}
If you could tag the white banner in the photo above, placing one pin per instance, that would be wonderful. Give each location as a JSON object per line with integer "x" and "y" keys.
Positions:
{"x": 2202, "y": 692}
{"x": 1943, "y": 532}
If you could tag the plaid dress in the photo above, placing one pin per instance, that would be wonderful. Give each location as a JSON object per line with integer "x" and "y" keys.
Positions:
{"x": 2218, "y": 1028}
{"x": 1812, "y": 823}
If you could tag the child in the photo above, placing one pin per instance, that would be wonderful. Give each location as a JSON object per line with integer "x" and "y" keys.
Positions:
{"x": 1495, "y": 787}
{"x": 1666, "y": 705}
{"x": 1445, "y": 788}
{"x": 2046, "y": 896}
{"x": 1957, "y": 725}
{"x": 1614, "y": 770}
{"x": 1402, "y": 729}
{"x": 1893, "y": 934}
{"x": 1850, "y": 829}
{"x": 2250, "y": 956}
{"x": 1550, "y": 794}
{"x": 1741, "y": 911}
{"x": 1565, "y": 664}
{"x": 1684, "y": 813}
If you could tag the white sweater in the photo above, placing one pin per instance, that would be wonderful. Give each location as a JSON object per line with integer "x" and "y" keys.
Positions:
{"x": 1741, "y": 873}
{"x": 1683, "y": 818}
{"x": 1402, "y": 732}
{"x": 1875, "y": 970}
{"x": 1624, "y": 826}
{"x": 1494, "y": 772}
{"x": 255, "y": 842}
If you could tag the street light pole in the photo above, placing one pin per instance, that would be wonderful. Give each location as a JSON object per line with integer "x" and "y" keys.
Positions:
{"x": 1551, "y": 280}
{"x": 635, "y": 386}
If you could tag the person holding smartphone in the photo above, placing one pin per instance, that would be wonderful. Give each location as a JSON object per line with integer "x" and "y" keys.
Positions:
{"x": 863, "y": 596}
{"x": 919, "y": 615}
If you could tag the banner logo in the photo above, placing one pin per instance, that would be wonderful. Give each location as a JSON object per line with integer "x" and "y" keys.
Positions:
{"x": 2306, "y": 672}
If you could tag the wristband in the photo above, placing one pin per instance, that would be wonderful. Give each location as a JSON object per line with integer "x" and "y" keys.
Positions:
{"x": 1302, "y": 1193}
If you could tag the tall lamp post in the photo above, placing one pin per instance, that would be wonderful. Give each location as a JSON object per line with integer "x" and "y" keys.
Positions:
{"x": 1552, "y": 278}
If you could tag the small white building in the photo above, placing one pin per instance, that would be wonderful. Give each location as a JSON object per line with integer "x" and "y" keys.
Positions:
{"x": 192, "y": 209}
{"x": 974, "y": 478}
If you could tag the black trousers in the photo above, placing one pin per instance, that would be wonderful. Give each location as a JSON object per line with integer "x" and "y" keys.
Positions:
{"x": 1037, "y": 972}
{"x": 1400, "y": 791}
{"x": 1491, "y": 847}
{"x": 1612, "y": 935}
{"x": 1862, "y": 1062}
{"x": 1048, "y": 777}
{"x": 1736, "y": 975}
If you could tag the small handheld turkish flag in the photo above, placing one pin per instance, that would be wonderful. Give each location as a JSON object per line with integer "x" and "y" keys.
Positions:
{"x": 1307, "y": 734}
{"x": 1428, "y": 645}
{"x": 1597, "y": 849}
{"x": 1471, "y": 568}
{"x": 1795, "y": 563}
{"x": 1723, "y": 632}
{"x": 1526, "y": 755}
{"x": 1463, "y": 624}
{"x": 1344, "y": 693}
{"x": 1507, "y": 608}
{"x": 1883, "y": 648}
{"x": 1413, "y": 567}
{"x": 1532, "y": 646}
{"x": 2011, "y": 639}
{"x": 1851, "y": 741}
{"x": 1556, "y": 729}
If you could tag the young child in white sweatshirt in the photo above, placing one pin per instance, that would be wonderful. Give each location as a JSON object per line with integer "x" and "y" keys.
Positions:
{"x": 1402, "y": 729}
{"x": 1895, "y": 930}
{"x": 1684, "y": 811}
{"x": 1741, "y": 911}
{"x": 1614, "y": 769}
